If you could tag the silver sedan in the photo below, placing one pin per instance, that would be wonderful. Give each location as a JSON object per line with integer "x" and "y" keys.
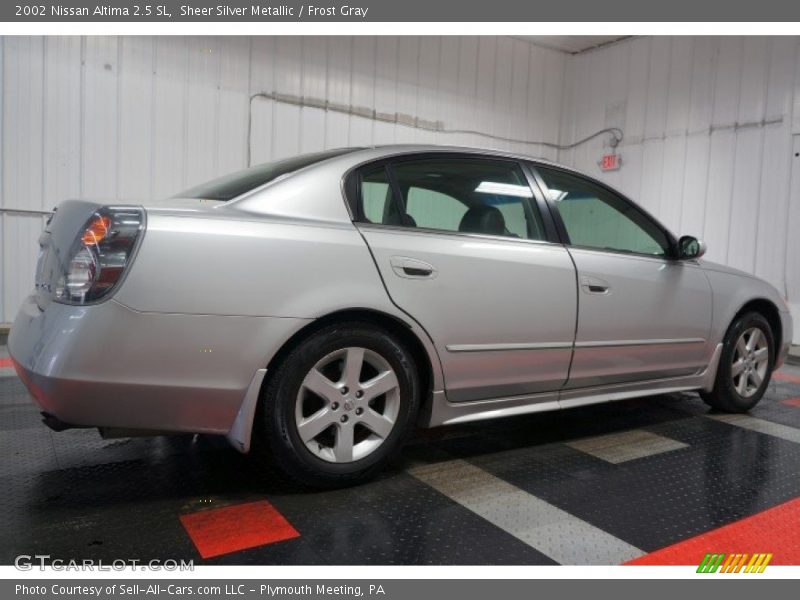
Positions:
{"x": 322, "y": 306}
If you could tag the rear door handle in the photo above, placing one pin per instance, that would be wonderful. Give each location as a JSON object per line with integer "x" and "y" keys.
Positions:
{"x": 597, "y": 289}
{"x": 417, "y": 272}
{"x": 594, "y": 285}
{"x": 412, "y": 268}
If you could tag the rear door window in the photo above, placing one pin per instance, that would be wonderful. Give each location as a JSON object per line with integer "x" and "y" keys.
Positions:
{"x": 469, "y": 195}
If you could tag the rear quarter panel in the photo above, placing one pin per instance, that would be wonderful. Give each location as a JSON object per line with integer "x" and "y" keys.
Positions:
{"x": 250, "y": 267}
{"x": 257, "y": 266}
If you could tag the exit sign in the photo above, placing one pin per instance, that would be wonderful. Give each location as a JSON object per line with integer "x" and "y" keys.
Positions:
{"x": 610, "y": 162}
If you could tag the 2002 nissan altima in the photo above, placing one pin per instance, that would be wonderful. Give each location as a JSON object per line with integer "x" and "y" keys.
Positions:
{"x": 328, "y": 303}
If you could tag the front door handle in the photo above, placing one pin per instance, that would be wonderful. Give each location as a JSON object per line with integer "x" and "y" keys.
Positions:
{"x": 412, "y": 268}
{"x": 594, "y": 285}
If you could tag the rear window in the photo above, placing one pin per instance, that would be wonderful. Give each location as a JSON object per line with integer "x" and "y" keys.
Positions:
{"x": 230, "y": 186}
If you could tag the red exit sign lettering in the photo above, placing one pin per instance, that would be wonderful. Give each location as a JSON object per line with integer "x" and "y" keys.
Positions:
{"x": 610, "y": 162}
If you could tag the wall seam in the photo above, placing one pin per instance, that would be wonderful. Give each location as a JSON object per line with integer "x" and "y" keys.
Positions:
{"x": 300, "y": 127}
{"x": 5, "y": 317}
{"x": 118, "y": 120}
{"x": 735, "y": 155}
{"x": 82, "y": 111}
{"x": 792, "y": 168}
{"x": 185, "y": 119}
{"x": 153, "y": 115}
{"x": 218, "y": 104}
{"x": 762, "y": 135}
{"x": 664, "y": 129}
{"x": 644, "y": 117}
{"x": 43, "y": 139}
{"x": 686, "y": 136}
{"x": 713, "y": 108}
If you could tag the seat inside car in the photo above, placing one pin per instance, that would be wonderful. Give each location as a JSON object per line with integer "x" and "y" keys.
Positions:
{"x": 404, "y": 219}
{"x": 483, "y": 218}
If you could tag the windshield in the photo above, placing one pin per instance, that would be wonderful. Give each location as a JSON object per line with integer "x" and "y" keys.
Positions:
{"x": 230, "y": 186}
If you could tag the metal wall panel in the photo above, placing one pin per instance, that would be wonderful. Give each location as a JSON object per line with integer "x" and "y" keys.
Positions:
{"x": 262, "y": 111}
{"x": 201, "y": 107}
{"x": 363, "y": 89}
{"x": 136, "y": 88}
{"x": 170, "y": 93}
{"x": 708, "y": 140}
{"x": 385, "y": 86}
{"x": 140, "y": 117}
{"x": 339, "y": 53}
{"x": 233, "y": 104}
{"x": 467, "y": 85}
{"x": 314, "y": 85}
{"x": 100, "y": 143}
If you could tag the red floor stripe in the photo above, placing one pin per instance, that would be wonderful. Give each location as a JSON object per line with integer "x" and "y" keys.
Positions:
{"x": 776, "y": 530}
{"x": 786, "y": 377}
{"x": 232, "y": 528}
{"x": 792, "y": 401}
{"x": 5, "y": 363}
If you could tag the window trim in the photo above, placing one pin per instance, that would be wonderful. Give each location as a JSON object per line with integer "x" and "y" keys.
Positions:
{"x": 671, "y": 253}
{"x": 488, "y": 237}
{"x": 355, "y": 184}
{"x": 353, "y": 179}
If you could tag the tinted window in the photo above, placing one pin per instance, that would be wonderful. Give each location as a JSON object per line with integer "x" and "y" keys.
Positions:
{"x": 597, "y": 218}
{"x": 376, "y": 197}
{"x": 230, "y": 186}
{"x": 434, "y": 210}
{"x": 469, "y": 196}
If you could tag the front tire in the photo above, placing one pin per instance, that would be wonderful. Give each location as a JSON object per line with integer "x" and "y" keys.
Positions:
{"x": 340, "y": 405}
{"x": 745, "y": 367}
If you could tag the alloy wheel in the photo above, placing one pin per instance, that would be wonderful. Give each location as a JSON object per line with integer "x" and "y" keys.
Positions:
{"x": 347, "y": 405}
{"x": 750, "y": 362}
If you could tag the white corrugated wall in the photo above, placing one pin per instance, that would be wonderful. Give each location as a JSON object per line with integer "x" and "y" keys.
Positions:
{"x": 135, "y": 117}
{"x": 711, "y": 131}
{"x": 709, "y": 123}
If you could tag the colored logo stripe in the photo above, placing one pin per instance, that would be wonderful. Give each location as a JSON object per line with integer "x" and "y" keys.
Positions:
{"x": 761, "y": 563}
{"x": 734, "y": 563}
{"x": 710, "y": 563}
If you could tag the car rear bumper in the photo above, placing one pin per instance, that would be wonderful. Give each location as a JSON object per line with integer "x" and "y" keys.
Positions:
{"x": 110, "y": 366}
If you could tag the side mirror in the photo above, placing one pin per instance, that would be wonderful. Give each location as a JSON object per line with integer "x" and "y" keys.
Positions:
{"x": 690, "y": 247}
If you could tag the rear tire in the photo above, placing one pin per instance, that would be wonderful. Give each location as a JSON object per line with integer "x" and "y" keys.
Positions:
{"x": 745, "y": 366}
{"x": 340, "y": 404}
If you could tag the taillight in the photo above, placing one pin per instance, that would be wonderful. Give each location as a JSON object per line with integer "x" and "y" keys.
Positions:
{"x": 97, "y": 229}
{"x": 100, "y": 254}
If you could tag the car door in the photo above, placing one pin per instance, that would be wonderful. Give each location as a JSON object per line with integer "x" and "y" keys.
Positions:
{"x": 463, "y": 248}
{"x": 642, "y": 314}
